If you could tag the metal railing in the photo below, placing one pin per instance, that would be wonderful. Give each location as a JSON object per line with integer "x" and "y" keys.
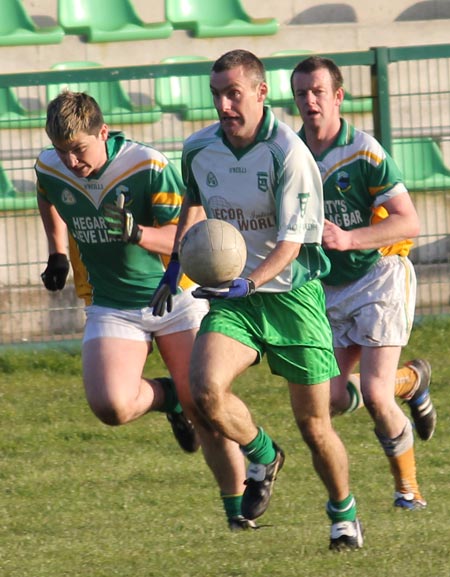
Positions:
{"x": 401, "y": 95}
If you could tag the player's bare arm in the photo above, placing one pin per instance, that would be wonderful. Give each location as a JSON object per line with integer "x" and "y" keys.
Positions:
{"x": 275, "y": 262}
{"x": 159, "y": 240}
{"x": 402, "y": 223}
{"x": 54, "y": 226}
{"x": 189, "y": 215}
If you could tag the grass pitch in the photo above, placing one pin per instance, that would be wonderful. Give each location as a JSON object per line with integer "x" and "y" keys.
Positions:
{"x": 78, "y": 498}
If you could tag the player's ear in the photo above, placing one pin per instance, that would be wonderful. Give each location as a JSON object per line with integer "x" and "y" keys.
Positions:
{"x": 263, "y": 90}
{"x": 104, "y": 131}
{"x": 339, "y": 96}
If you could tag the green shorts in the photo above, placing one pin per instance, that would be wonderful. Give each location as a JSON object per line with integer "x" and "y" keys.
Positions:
{"x": 290, "y": 328}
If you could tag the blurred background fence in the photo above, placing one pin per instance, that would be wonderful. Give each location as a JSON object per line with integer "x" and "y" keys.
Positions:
{"x": 401, "y": 95}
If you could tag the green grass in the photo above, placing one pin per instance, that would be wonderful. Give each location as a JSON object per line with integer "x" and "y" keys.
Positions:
{"x": 78, "y": 498}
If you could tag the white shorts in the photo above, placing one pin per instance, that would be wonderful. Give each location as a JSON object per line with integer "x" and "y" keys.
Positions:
{"x": 376, "y": 310}
{"x": 140, "y": 324}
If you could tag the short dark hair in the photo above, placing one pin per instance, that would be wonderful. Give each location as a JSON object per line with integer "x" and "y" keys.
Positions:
{"x": 313, "y": 63}
{"x": 71, "y": 113}
{"x": 234, "y": 58}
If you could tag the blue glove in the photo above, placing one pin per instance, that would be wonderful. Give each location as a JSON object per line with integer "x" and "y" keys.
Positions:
{"x": 237, "y": 288}
{"x": 162, "y": 297}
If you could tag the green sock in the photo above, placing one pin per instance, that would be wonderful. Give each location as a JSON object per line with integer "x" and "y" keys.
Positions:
{"x": 170, "y": 403}
{"x": 261, "y": 449}
{"x": 231, "y": 504}
{"x": 344, "y": 510}
{"x": 355, "y": 398}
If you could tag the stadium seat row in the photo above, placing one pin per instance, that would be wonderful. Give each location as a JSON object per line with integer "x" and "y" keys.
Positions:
{"x": 420, "y": 160}
{"x": 188, "y": 95}
{"x": 117, "y": 20}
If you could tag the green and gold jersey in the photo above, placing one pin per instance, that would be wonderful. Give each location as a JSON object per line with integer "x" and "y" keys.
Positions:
{"x": 358, "y": 177}
{"x": 270, "y": 191}
{"x": 118, "y": 274}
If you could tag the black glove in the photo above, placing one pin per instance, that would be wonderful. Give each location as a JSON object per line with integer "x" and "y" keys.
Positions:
{"x": 121, "y": 223}
{"x": 55, "y": 275}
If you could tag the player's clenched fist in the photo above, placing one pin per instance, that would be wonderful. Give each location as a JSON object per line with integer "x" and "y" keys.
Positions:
{"x": 121, "y": 223}
{"x": 55, "y": 275}
{"x": 334, "y": 238}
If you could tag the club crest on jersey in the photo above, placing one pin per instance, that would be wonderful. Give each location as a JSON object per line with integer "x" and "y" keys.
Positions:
{"x": 67, "y": 197}
{"x": 263, "y": 181}
{"x": 343, "y": 181}
{"x": 211, "y": 180}
{"x": 303, "y": 200}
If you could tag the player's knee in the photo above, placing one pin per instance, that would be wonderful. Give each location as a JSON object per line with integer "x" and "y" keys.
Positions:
{"x": 111, "y": 415}
{"x": 338, "y": 404}
{"x": 206, "y": 402}
{"x": 206, "y": 398}
{"x": 376, "y": 404}
{"x": 314, "y": 432}
{"x": 339, "y": 396}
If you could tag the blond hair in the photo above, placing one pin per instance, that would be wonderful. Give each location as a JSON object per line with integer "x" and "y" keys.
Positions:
{"x": 71, "y": 113}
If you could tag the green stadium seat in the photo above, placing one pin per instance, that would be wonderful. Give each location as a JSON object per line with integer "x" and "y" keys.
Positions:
{"x": 113, "y": 99}
{"x": 188, "y": 96}
{"x": 10, "y": 108}
{"x": 108, "y": 21}
{"x": 280, "y": 93}
{"x": 279, "y": 81}
{"x": 14, "y": 115}
{"x": 206, "y": 19}
{"x": 421, "y": 162}
{"x": 356, "y": 104}
{"x": 175, "y": 157}
{"x": 18, "y": 29}
{"x": 10, "y": 198}
{"x": 7, "y": 189}
{"x": 19, "y": 202}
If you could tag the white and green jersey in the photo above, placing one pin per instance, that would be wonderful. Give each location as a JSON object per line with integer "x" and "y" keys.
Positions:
{"x": 270, "y": 191}
{"x": 120, "y": 275}
{"x": 358, "y": 177}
